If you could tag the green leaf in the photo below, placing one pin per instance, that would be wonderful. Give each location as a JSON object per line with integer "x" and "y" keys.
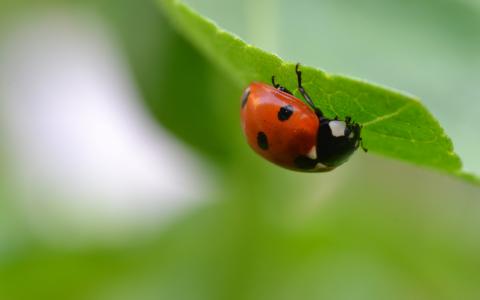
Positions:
{"x": 395, "y": 125}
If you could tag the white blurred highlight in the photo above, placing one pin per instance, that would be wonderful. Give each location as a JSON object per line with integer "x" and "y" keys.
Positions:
{"x": 82, "y": 149}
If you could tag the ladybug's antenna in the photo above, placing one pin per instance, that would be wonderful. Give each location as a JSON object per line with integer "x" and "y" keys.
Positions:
{"x": 304, "y": 93}
{"x": 362, "y": 146}
{"x": 361, "y": 141}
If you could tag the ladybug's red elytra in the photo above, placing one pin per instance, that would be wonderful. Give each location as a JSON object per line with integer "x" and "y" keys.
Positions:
{"x": 293, "y": 134}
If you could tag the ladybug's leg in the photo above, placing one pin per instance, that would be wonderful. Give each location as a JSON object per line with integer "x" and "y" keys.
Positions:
{"x": 304, "y": 93}
{"x": 275, "y": 85}
{"x": 279, "y": 87}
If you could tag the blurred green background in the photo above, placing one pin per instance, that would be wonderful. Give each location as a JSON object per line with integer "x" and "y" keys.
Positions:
{"x": 124, "y": 173}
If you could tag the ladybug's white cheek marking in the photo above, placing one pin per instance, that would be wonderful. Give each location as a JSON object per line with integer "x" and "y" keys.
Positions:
{"x": 312, "y": 153}
{"x": 337, "y": 128}
{"x": 320, "y": 166}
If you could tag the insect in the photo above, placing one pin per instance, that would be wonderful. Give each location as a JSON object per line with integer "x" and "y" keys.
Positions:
{"x": 294, "y": 134}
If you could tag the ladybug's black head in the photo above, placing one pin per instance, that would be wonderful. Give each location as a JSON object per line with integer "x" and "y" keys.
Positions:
{"x": 353, "y": 131}
{"x": 337, "y": 140}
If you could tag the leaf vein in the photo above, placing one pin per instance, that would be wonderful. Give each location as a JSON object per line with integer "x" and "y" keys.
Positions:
{"x": 387, "y": 116}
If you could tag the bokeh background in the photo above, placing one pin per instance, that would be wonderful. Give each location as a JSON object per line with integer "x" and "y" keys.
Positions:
{"x": 124, "y": 173}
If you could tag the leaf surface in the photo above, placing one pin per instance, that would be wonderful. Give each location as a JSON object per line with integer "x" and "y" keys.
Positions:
{"x": 394, "y": 124}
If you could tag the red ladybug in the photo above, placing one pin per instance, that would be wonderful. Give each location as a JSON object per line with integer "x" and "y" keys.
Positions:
{"x": 292, "y": 134}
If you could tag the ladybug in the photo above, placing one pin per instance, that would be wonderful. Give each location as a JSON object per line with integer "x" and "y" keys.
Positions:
{"x": 294, "y": 134}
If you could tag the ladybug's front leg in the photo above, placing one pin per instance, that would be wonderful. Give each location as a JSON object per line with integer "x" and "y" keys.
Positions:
{"x": 304, "y": 93}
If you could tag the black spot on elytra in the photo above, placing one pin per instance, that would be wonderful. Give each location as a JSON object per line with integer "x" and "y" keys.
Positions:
{"x": 285, "y": 112}
{"x": 245, "y": 95}
{"x": 262, "y": 140}
{"x": 304, "y": 163}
